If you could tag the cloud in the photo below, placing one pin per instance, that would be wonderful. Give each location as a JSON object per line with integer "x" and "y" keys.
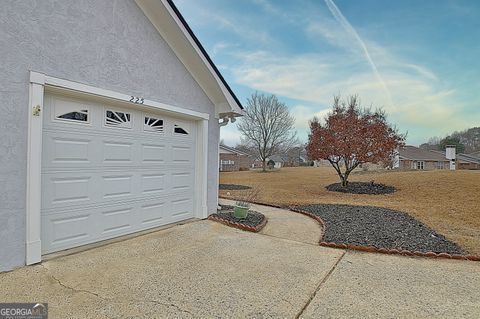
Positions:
{"x": 303, "y": 114}
{"x": 230, "y": 135}
{"x": 315, "y": 78}
{"x": 349, "y": 29}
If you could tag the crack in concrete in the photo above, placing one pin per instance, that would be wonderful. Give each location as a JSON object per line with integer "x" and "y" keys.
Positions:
{"x": 76, "y": 290}
{"x": 68, "y": 287}
{"x": 319, "y": 286}
{"x": 167, "y": 305}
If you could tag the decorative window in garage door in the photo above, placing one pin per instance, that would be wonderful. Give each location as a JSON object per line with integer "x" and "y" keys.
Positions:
{"x": 178, "y": 129}
{"x": 152, "y": 124}
{"x": 118, "y": 119}
{"x": 71, "y": 112}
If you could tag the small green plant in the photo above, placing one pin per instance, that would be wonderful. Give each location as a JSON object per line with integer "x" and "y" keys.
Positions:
{"x": 244, "y": 199}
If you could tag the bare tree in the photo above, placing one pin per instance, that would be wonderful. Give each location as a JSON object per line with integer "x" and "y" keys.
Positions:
{"x": 267, "y": 126}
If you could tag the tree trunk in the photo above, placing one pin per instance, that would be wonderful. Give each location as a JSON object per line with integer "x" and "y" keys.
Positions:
{"x": 264, "y": 165}
{"x": 344, "y": 180}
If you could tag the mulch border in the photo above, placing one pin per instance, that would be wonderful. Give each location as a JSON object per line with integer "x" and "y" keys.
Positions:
{"x": 239, "y": 225}
{"x": 371, "y": 249}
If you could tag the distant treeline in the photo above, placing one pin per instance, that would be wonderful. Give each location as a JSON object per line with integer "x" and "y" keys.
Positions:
{"x": 467, "y": 141}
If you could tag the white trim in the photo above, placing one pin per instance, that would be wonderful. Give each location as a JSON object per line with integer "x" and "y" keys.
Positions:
{"x": 201, "y": 171}
{"x": 38, "y": 83}
{"x": 39, "y": 78}
{"x": 217, "y": 171}
{"x": 33, "y": 249}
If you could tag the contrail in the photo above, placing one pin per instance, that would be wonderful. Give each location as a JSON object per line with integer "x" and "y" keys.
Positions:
{"x": 337, "y": 14}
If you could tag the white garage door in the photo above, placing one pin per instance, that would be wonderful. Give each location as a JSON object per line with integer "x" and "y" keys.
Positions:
{"x": 109, "y": 171}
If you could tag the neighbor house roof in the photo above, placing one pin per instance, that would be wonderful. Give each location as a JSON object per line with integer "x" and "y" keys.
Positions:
{"x": 410, "y": 152}
{"x": 475, "y": 154}
{"x": 173, "y": 28}
{"x": 468, "y": 158}
{"x": 464, "y": 157}
{"x": 226, "y": 149}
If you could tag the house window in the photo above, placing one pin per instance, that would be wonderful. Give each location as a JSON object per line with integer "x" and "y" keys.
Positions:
{"x": 440, "y": 165}
{"x": 420, "y": 165}
{"x": 152, "y": 124}
{"x": 177, "y": 129}
{"x": 118, "y": 119}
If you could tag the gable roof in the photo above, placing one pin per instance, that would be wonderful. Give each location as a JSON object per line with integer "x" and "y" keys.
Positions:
{"x": 475, "y": 154}
{"x": 173, "y": 28}
{"x": 468, "y": 158}
{"x": 465, "y": 158}
{"x": 232, "y": 150}
{"x": 410, "y": 152}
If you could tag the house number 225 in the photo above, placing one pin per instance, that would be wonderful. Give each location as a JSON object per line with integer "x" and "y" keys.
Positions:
{"x": 136, "y": 99}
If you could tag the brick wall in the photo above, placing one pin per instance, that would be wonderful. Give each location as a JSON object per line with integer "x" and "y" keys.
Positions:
{"x": 428, "y": 165}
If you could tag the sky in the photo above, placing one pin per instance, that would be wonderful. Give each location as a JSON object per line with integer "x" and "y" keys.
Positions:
{"x": 418, "y": 60}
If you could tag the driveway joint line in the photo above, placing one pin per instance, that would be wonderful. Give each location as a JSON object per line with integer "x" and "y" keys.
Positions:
{"x": 320, "y": 285}
{"x": 288, "y": 239}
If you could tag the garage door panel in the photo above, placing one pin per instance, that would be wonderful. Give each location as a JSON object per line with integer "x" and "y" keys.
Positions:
{"x": 100, "y": 181}
{"x": 66, "y": 189}
{"x": 181, "y": 181}
{"x": 153, "y": 214}
{"x": 154, "y": 153}
{"x": 153, "y": 183}
{"x": 65, "y": 230}
{"x": 115, "y": 186}
{"x": 182, "y": 154}
{"x": 116, "y": 220}
{"x": 67, "y": 150}
{"x": 115, "y": 151}
{"x": 181, "y": 208}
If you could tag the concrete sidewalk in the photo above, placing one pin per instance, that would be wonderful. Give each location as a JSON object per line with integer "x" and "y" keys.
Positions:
{"x": 207, "y": 270}
{"x": 286, "y": 224}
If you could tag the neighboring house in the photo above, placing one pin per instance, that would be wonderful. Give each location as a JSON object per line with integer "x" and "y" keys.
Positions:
{"x": 110, "y": 123}
{"x": 467, "y": 161}
{"x": 279, "y": 161}
{"x": 475, "y": 154}
{"x": 282, "y": 161}
{"x": 411, "y": 157}
{"x": 232, "y": 159}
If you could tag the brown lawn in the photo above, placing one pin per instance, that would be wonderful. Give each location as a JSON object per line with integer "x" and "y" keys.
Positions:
{"x": 447, "y": 201}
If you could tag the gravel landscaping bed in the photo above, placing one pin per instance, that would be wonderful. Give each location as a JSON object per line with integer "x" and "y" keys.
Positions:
{"x": 232, "y": 187}
{"x": 254, "y": 221}
{"x": 361, "y": 188}
{"x": 379, "y": 227}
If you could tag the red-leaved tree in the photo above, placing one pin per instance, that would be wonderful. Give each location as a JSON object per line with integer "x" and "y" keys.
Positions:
{"x": 352, "y": 135}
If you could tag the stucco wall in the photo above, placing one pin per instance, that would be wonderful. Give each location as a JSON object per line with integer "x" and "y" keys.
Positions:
{"x": 108, "y": 44}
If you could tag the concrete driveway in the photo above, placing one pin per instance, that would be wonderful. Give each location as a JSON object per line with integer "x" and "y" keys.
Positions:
{"x": 206, "y": 270}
